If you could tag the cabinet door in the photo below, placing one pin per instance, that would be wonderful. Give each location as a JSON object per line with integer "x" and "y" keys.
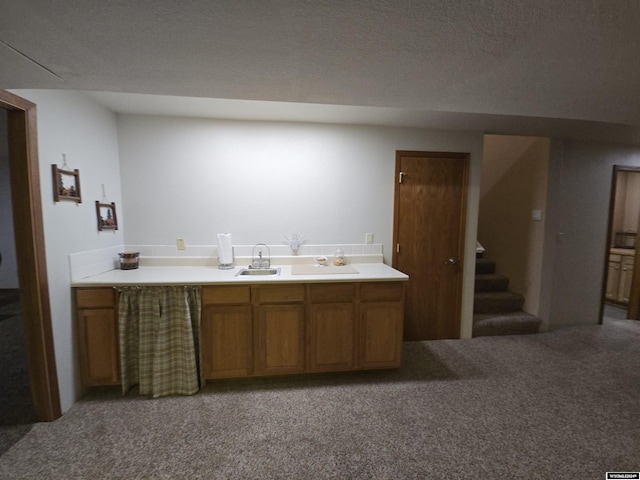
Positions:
{"x": 279, "y": 346}
{"x": 226, "y": 341}
{"x": 380, "y": 334}
{"x": 331, "y": 336}
{"x": 613, "y": 280}
{"x": 99, "y": 352}
{"x": 626, "y": 275}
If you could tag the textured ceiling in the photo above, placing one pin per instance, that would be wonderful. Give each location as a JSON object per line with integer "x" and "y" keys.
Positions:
{"x": 501, "y": 63}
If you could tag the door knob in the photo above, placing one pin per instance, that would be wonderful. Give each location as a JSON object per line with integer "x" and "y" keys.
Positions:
{"x": 452, "y": 261}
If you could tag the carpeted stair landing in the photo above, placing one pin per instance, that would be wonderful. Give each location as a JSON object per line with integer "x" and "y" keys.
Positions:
{"x": 496, "y": 310}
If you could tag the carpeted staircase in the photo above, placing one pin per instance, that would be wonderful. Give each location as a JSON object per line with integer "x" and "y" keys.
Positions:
{"x": 496, "y": 310}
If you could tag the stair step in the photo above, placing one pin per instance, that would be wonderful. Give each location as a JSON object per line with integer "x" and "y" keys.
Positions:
{"x": 484, "y": 265}
{"x": 513, "y": 323}
{"x": 491, "y": 282}
{"x": 497, "y": 302}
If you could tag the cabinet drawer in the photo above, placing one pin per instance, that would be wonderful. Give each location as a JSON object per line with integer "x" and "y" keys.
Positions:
{"x": 95, "y": 297}
{"x": 334, "y": 292}
{"x": 627, "y": 261}
{"x": 279, "y": 293}
{"x": 382, "y": 291}
{"x": 226, "y": 295}
{"x": 614, "y": 257}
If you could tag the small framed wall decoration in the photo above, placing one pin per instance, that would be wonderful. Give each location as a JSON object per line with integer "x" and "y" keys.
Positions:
{"x": 66, "y": 184}
{"x": 106, "y": 213}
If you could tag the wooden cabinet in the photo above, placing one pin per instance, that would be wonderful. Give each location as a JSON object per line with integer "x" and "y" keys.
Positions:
{"x": 264, "y": 329}
{"x": 331, "y": 337}
{"x": 331, "y": 327}
{"x": 279, "y": 342}
{"x": 294, "y": 328}
{"x": 226, "y": 341}
{"x": 380, "y": 334}
{"x": 626, "y": 275}
{"x": 279, "y": 329}
{"x": 252, "y": 330}
{"x": 98, "y": 336}
{"x": 619, "y": 277}
{"x": 613, "y": 277}
{"x": 226, "y": 295}
{"x": 226, "y": 332}
{"x": 381, "y": 324}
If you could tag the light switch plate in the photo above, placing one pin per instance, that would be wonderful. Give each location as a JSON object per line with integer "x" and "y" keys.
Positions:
{"x": 180, "y": 244}
{"x": 368, "y": 238}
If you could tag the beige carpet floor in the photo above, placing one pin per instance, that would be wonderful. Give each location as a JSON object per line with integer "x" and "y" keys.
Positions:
{"x": 564, "y": 404}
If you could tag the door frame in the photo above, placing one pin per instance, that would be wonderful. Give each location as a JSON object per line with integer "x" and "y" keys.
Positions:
{"x": 30, "y": 254}
{"x": 633, "y": 309}
{"x": 463, "y": 218}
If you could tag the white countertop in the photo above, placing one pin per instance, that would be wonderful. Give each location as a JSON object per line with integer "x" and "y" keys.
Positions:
{"x": 211, "y": 275}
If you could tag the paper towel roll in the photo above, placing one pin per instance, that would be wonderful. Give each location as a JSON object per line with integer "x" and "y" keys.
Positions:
{"x": 225, "y": 249}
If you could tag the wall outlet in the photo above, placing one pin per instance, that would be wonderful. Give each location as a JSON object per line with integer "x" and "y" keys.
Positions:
{"x": 368, "y": 238}
{"x": 180, "y": 244}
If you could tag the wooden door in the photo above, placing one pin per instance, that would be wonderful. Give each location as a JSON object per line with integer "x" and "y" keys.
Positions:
{"x": 429, "y": 224}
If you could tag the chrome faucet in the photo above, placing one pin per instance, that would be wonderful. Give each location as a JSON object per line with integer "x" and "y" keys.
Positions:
{"x": 260, "y": 261}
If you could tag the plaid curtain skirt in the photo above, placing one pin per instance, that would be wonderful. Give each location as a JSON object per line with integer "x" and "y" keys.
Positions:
{"x": 159, "y": 335}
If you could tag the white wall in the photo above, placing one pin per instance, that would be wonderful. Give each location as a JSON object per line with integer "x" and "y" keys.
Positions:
{"x": 8, "y": 267}
{"x": 192, "y": 178}
{"x": 576, "y": 229}
{"x": 72, "y": 123}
